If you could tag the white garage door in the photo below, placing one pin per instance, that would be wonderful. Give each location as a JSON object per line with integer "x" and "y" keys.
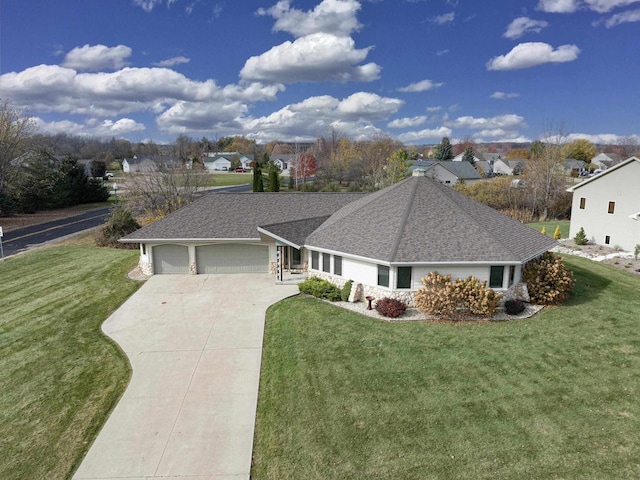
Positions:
{"x": 232, "y": 258}
{"x": 170, "y": 259}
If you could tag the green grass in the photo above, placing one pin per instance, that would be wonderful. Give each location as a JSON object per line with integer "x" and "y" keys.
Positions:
{"x": 227, "y": 179}
{"x": 555, "y": 396}
{"x": 550, "y": 227}
{"x": 59, "y": 375}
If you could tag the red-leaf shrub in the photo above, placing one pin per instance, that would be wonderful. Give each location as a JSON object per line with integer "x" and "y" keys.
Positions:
{"x": 390, "y": 307}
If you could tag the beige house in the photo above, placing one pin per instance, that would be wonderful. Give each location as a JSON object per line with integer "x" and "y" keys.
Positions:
{"x": 607, "y": 206}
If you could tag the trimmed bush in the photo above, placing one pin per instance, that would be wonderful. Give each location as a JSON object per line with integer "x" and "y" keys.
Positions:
{"x": 513, "y": 307}
{"x": 390, "y": 307}
{"x": 581, "y": 237}
{"x": 346, "y": 291}
{"x": 556, "y": 233}
{"x": 119, "y": 224}
{"x": 320, "y": 288}
{"x": 549, "y": 281}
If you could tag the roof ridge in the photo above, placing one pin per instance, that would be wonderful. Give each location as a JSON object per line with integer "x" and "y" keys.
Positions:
{"x": 405, "y": 216}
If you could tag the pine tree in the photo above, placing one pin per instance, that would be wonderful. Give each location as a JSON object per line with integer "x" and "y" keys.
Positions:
{"x": 274, "y": 178}
{"x": 444, "y": 150}
{"x": 556, "y": 233}
{"x": 581, "y": 237}
{"x": 468, "y": 156}
{"x": 258, "y": 185}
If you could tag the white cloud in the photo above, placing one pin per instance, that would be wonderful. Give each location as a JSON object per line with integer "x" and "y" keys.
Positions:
{"x": 507, "y": 122}
{"x": 558, "y": 6}
{"x": 51, "y": 88}
{"x": 92, "y": 127}
{"x": 421, "y": 86}
{"x": 312, "y": 117}
{"x": 570, "y": 6}
{"x": 434, "y": 109}
{"x": 337, "y": 17}
{"x": 442, "y": 52}
{"x": 170, "y": 62}
{"x": 522, "y": 25}
{"x": 422, "y": 135}
{"x": 97, "y": 57}
{"x": 532, "y": 54}
{"x": 601, "y": 138}
{"x": 407, "y": 122}
{"x": 504, "y": 95}
{"x": 201, "y": 117}
{"x": 444, "y": 18}
{"x": 147, "y": 5}
{"x": 623, "y": 17}
{"x": 314, "y": 58}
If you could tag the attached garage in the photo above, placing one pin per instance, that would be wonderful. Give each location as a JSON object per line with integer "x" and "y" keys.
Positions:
{"x": 170, "y": 259}
{"x": 232, "y": 258}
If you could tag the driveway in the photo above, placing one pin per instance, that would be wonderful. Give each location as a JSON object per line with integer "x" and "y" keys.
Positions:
{"x": 195, "y": 345}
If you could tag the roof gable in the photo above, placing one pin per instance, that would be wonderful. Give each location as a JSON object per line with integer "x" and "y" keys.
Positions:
{"x": 604, "y": 174}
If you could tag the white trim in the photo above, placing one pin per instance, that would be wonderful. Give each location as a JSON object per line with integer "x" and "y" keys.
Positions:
{"x": 279, "y": 238}
{"x": 600, "y": 175}
{"x": 635, "y": 216}
{"x": 175, "y": 240}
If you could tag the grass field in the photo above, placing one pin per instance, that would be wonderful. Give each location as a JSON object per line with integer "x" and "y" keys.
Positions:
{"x": 224, "y": 179}
{"x": 555, "y": 396}
{"x": 550, "y": 227}
{"x": 59, "y": 375}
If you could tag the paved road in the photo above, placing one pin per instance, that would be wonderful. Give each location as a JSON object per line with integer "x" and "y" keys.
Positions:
{"x": 19, "y": 240}
{"x": 22, "y": 239}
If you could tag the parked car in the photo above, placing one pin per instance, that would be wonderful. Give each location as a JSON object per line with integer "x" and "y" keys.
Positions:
{"x": 107, "y": 175}
{"x": 240, "y": 170}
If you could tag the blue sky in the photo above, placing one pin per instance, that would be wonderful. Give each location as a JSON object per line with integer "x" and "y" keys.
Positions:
{"x": 416, "y": 70}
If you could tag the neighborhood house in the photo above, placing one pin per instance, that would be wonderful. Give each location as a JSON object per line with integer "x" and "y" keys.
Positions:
{"x": 384, "y": 241}
{"x": 607, "y": 206}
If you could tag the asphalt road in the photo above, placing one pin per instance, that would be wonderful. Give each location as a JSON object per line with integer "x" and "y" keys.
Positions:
{"x": 22, "y": 239}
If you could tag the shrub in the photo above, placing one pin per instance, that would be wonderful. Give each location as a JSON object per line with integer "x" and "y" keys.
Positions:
{"x": 320, "y": 288}
{"x": 119, "y": 224}
{"x": 390, "y": 307}
{"x": 556, "y": 233}
{"x": 543, "y": 231}
{"x": 346, "y": 291}
{"x": 440, "y": 296}
{"x": 636, "y": 252}
{"x": 513, "y": 307}
{"x": 549, "y": 281}
{"x": 581, "y": 237}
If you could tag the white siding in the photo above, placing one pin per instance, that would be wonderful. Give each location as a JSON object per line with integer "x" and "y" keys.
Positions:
{"x": 620, "y": 186}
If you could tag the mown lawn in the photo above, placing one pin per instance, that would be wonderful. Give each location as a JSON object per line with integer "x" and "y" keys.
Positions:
{"x": 224, "y": 179}
{"x": 550, "y": 227}
{"x": 555, "y": 396}
{"x": 59, "y": 375}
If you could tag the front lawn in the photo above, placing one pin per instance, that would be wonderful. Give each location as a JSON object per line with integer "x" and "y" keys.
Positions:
{"x": 59, "y": 375}
{"x": 554, "y": 396}
{"x": 550, "y": 227}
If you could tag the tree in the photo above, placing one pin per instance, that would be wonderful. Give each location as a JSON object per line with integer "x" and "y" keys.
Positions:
{"x": 274, "y": 178}
{"x": 468, "y": 156}
{"x": 302, "y": 167}
{"x": 397, "y": 167}
{"x": 444, "y": 151}
{"x": 258, "y": 185}
{"x": 581, "y": 149}
{"x": 516, "y": 153}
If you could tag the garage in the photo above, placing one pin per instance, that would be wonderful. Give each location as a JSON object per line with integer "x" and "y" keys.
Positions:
{"x": 232, "y": 258}
{"x": 170, "y": 259}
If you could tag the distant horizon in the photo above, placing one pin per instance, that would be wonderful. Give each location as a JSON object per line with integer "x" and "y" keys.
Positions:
{"x": 292, "y": 70}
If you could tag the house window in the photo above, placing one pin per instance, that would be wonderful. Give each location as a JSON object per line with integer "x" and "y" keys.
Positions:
{"x": 583, "y": 202}
{"x": 326, "y": 262}
{"x": 607, "y": 240}
{"x": 612, "y": 206}
{"x": 315, "y": 260}
{"x": 496, "y": 276}
{"x": 512, "y": 274}
{"x": 337, "y": 265}
{"x": 383, "y": 275}
{"x": 144, "y": 248}
{"x": 404, "y": 277}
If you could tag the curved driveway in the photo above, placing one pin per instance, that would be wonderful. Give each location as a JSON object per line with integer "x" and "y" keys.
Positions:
{"x": 195, "y": 345}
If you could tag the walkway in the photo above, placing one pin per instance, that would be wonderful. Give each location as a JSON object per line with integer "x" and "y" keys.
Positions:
{"x": 195, "y": 345}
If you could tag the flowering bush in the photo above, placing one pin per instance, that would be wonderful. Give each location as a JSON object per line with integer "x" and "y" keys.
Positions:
{"x": 443, "y": 297}
{"x": 549, "y": 281}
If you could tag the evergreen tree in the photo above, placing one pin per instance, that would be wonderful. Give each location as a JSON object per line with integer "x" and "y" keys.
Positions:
{"x": 258, "y": 185}
{"x": 274, "y": 178}
{"x": 468, "y": 156}
{"x": 444, "y": 150}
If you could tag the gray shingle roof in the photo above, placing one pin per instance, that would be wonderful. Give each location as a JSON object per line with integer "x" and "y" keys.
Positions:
{"x": 238, "y": 215}
{"x": 421, "y": 220}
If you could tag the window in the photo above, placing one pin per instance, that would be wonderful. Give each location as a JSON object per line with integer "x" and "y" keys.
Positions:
{"x": 144, "y": 248}
{"x": 512, "y": 274}
{"x": 496, "y": 276}
{"x": 383, "y": 275}
{"x": 315, "y": 260}
{"x": 326, "y": 262}
{"x": 607, "y": 240}
{"x": 583, "y": 202}
{"x": 612, "y": 206}
{"x": 404, "y": 277}
{"x": 337, "y": 265}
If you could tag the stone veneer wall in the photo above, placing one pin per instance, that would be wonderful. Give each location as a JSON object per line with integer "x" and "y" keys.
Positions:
{"x": 145, "y": 267}
{"x": 363, "y": 291}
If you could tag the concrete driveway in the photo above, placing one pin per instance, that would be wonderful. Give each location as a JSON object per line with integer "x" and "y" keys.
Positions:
{"x": 195, "y": 345}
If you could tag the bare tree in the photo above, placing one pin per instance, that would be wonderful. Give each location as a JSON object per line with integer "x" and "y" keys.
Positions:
{"x": 160, "y": 192}
{"x": 15, "y": 130}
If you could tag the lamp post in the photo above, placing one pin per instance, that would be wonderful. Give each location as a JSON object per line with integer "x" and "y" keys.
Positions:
{"x": 115, "y": 192}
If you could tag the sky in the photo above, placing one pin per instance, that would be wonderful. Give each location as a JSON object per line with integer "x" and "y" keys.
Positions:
{"x": 293, "y": 70}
